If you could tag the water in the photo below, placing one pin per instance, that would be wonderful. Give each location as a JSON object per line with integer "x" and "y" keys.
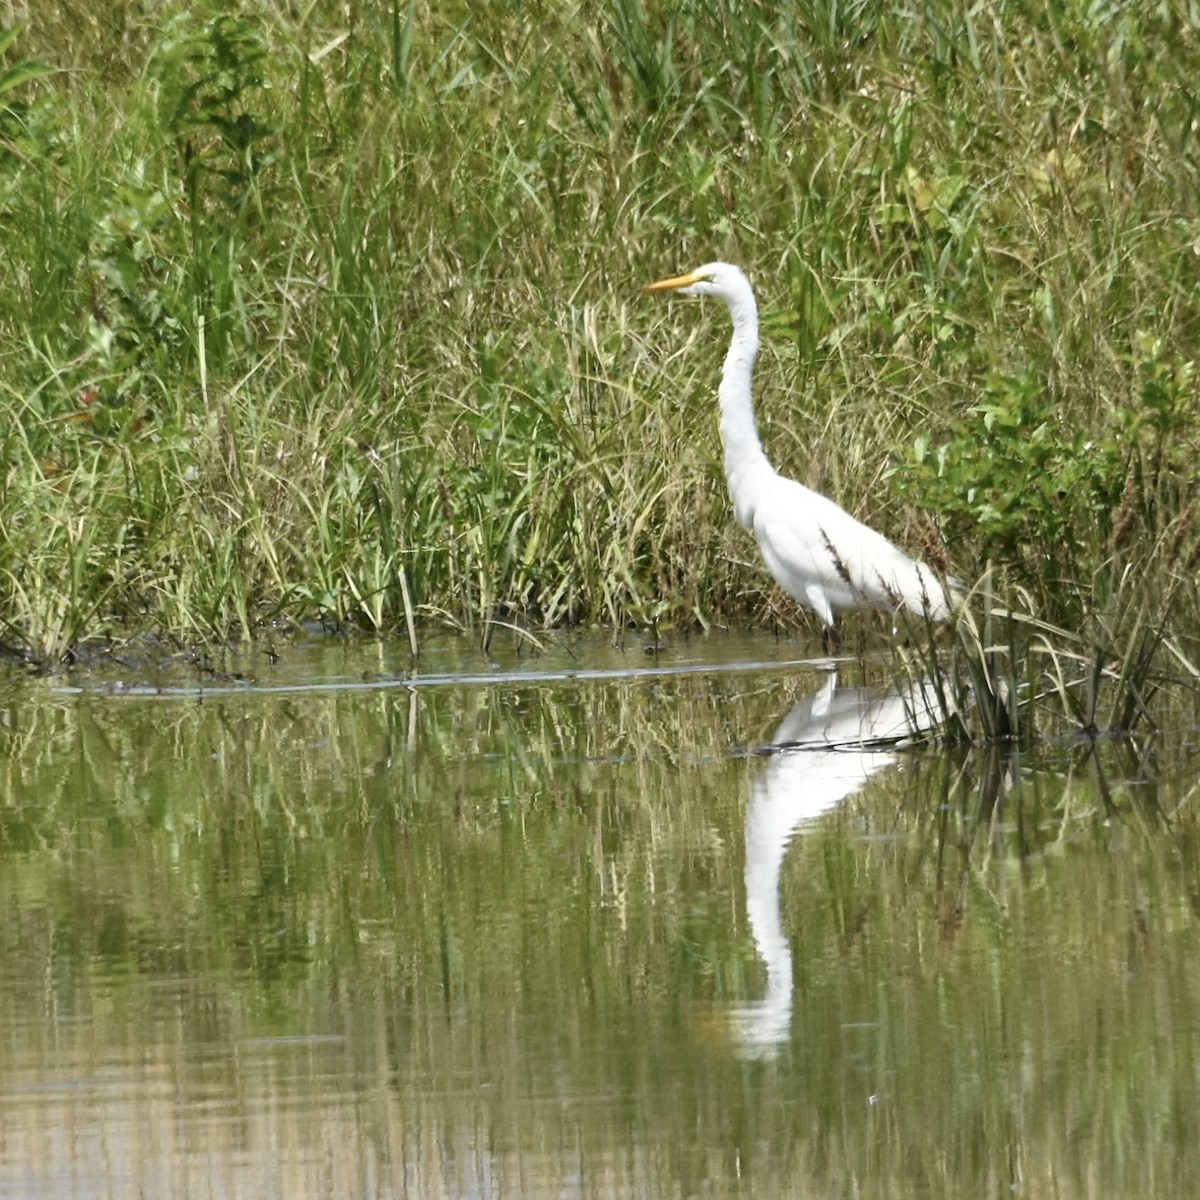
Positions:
{"x": 561, "y": 924}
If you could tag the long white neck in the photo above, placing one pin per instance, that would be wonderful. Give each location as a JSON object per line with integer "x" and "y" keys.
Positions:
{"x": 746, "y": 466}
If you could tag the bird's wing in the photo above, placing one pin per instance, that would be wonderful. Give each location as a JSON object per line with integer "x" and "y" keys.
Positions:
{"x": 807, "y": 540}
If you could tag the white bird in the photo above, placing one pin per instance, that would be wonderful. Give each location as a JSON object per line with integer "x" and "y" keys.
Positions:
{"x": 817, "y": 552}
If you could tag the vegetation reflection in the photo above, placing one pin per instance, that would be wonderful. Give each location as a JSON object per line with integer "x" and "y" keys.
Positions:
{"x": 502, "y": 934}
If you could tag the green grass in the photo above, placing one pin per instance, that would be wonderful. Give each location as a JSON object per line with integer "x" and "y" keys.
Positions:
{"x": 354, "y": 304}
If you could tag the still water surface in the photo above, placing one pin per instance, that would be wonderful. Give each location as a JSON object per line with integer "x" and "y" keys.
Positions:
{"x": 563, "y": 925}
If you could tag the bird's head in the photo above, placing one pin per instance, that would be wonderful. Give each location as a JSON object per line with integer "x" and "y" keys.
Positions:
{"x": 720, "y": 279}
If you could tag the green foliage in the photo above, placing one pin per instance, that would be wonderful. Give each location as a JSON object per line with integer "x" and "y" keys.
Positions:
{"x": 1029, "y": 491}
{"x": 1159, "y": 430}
{"x": 334, "y": 314}
{"x": 15, "y": 105}
{"x": 211, "y": 66}
{"x": 1017, "y": 484}
{"x": 141, "y": 298}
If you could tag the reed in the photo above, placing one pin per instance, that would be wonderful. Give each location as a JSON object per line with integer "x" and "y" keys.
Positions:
{"x": 334, "y": 315}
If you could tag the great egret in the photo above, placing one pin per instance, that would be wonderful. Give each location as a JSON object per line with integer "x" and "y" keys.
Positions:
{"x": 816, "y": 551}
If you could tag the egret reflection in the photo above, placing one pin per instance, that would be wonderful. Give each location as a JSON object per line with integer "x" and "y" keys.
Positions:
{"x": 824, "y": 751}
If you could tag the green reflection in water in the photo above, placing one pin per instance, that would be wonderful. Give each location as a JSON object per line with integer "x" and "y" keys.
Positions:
{"x": 491, "y": 941}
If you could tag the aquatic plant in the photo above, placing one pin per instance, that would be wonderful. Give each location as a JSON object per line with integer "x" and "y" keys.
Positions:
{"x": 1002, "y": 674}
{"x": 334, "y": 316}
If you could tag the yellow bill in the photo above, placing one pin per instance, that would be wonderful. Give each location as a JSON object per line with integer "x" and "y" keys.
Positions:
{"x": 669, "y": 285}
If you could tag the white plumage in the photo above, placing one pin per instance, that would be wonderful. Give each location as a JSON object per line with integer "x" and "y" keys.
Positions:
{"x": 816, "y": 551}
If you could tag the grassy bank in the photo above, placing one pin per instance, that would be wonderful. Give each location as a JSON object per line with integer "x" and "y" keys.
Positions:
{"x": 337, "y": 316}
